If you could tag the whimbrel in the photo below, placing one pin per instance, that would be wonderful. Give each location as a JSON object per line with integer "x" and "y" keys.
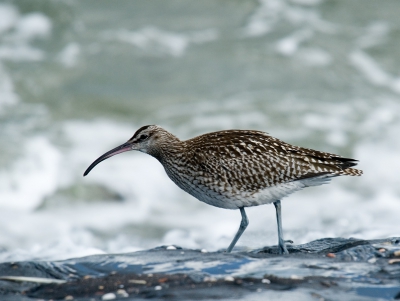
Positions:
{"x": 235, "y": 169}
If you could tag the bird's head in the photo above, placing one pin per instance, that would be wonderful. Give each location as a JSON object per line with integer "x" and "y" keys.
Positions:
{"x": 148, "y": 139}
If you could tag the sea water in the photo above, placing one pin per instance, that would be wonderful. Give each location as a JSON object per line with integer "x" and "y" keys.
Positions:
{"x": 77, "y": 78}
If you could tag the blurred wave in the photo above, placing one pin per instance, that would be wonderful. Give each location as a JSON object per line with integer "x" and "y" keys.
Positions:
{"x": 78, "y": 78}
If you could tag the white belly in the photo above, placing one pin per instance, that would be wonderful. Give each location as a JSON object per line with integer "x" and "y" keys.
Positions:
{"x": 246, "y": 199}
{"x": 230, "y": 198}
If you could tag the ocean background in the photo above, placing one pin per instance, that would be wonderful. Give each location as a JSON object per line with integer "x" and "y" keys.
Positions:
{"x": 78, "y": 78}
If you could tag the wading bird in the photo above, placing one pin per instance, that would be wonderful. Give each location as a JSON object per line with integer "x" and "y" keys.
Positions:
{"x": 235, "y": 169}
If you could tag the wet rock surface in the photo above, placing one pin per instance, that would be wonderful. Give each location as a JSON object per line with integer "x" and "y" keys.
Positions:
{"x": 325, "y": 269}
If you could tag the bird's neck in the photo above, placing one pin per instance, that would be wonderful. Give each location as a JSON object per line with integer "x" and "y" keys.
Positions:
{"x": 168, "y": 150}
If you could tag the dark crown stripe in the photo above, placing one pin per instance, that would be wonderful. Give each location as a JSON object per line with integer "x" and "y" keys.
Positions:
{"x": 139, "y": 131}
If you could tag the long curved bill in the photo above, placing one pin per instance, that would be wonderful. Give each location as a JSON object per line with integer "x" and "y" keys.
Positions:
{"x": 119, "y": 149}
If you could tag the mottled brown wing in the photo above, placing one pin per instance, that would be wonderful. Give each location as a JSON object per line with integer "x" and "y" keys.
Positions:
{"x": 251, "y": 160}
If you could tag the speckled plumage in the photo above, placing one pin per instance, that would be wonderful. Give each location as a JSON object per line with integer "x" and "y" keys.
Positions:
{"x": 236, "y": 168}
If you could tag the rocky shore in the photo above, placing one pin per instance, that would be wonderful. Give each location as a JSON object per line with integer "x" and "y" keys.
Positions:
{"x": 325, "y": 269}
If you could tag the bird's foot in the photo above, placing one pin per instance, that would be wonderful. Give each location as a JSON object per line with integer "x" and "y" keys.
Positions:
{"x": 289, "y": 241}
{"x": 282, "y": 247}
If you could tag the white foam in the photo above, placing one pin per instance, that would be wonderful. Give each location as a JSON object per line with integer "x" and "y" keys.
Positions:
{"x": 21, "y": 53}
{"x": 374, "y": 73}
{"x": 69, "y": 56}
{"x": 31, "y": 178}
{"x": 263, "y": 20}
{"x": 8, "y": 17}
{"x": 32, "y": 26}
{"x": 19, "y": 31}
{"x": 43, "y": 235}
{"x": 376, "y": 34}
{"x": 382, "y": 158}
{"x": 315, "y": 57}
{"x": 160, "y": 42}
{"x": 271, "y": 12}
{"x": 289, "y": 45}
{"x": 369, "y": 67}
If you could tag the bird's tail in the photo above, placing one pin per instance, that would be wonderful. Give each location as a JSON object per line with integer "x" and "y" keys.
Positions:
{"x": 346, "y": 164}
{"x": 352, "y": 172}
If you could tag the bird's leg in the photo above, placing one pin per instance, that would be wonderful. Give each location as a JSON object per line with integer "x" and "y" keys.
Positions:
{"x": 282, "y": 246}
{"x": 243, "y": 225}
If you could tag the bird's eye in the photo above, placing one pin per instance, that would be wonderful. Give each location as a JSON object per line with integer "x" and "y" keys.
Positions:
{"x": 143, "y": 137}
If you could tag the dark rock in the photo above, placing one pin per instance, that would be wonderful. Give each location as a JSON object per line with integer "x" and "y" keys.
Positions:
{"x": 355, "y": 270}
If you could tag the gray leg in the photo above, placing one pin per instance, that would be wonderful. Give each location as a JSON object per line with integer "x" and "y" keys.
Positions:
{"x": 243, "y": 225}
{"x": 282, "y": 247}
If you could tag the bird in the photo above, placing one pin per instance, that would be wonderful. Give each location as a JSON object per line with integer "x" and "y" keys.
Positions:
{"x": 235, "y": 169}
